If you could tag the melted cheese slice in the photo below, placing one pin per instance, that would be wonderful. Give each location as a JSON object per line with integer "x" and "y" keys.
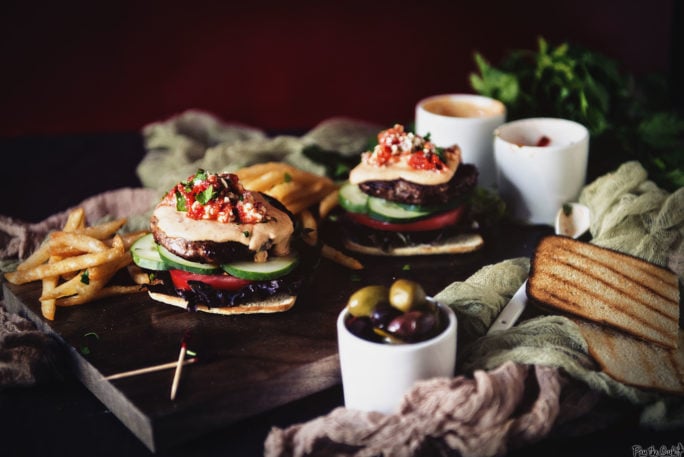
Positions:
{"x": 401, "y": 170}
{"x": 277, "y": 231}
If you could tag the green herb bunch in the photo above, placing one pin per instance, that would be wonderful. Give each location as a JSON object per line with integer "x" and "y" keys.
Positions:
{"x": 628, "y": 118}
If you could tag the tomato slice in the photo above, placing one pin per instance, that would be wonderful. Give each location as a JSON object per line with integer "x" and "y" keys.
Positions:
{"x": 436, "y": 222}
{"x": 222, "y": 281}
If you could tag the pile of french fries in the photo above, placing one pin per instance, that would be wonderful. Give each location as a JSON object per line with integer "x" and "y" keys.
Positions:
{"x": 299, "y": 191}
{"x": 294, "y": 188}
{"x": 76, "y": 263}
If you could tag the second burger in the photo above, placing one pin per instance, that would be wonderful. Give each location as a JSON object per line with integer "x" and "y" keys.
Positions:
{"x": 409, "y": 197}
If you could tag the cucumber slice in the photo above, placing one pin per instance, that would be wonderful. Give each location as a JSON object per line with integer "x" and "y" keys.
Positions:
{"x": 382, "y": 209}
{"x": 274, "y": 267}
{"x": 352, "y": 199}
{"x": 174, "y": 261}
{"x": 145, "y": 254}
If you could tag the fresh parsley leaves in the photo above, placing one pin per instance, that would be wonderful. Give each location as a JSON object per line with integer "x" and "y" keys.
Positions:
{"x": 206, "y": 195}
{"x": 629, "y": 118}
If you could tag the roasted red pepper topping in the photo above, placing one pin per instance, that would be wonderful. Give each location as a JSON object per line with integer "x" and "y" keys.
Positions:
{"x": 218, "y": 197}
{"x": 396, "y": 145}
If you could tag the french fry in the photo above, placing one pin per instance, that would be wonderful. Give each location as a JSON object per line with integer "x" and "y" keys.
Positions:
{"x": 296, "y": 189}
{"x": 130, "y": 238}
{"x": 248, "y": 173}
{"x": 75, "y": 220}
{"x": 73, "y": 243}
{"x": 49, "y": 306}
{"x": 328, "y": 203}
{"x": 76, "y": 264}
{"x": 65, "y": 289}
{"x": 299, "y": 190}
{"x": 107, "y": 270}
{"x": 39, "y": 256}
{"x": 98, "y": 294}
{"x": 281, "y": 191}
{"x": 336, "y": 256}
{"x": 85, "y": 284}
{"x": 301, "y": 204}
{"x": 138, "y": 275}
{"x": 104, "y": 230}
{"x": 266, "y": 181}
{"x": 66, "y": 265}
{"x": 310, "y": 226}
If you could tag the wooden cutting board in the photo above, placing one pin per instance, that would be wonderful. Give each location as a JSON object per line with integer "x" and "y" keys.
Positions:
{"x": 247, "y": 364}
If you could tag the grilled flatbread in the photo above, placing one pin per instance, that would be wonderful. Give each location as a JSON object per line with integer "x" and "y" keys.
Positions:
{"x": 606, "y": 287}
{"x": 634, "y": 361}
{"x": 458, "y": 244}
{"x": 275, "y": 304}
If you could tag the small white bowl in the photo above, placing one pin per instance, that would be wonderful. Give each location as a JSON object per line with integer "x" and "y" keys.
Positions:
{"x": 375, "y": 376}
{"x": 535, "y": 180}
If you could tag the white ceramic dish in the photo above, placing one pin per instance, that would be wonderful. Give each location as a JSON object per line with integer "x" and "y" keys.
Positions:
{"x": 375, "y": 376}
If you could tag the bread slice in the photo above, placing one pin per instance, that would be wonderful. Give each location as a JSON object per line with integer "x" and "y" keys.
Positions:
{"x": 607, "y": 287}
{"x": 458, "y": 244}
{"x": 275, "y": 304}
{"x": 634, "y": 361}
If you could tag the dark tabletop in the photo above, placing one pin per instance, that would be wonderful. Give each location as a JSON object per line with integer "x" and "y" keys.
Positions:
{"x": 63, "y": 418}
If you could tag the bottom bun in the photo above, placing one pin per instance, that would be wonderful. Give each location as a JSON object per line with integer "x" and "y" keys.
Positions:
{"x": 275, "y": 304}
{"x": 458, "y": 244}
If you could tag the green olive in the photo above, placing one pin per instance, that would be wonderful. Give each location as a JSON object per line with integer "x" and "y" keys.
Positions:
{"x": 363, "y": 301}
{"x": 406, "y": 295}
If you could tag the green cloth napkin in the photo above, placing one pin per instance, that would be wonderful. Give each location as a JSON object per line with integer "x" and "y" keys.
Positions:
{"x": 630, "y": 214}
{"x": 178, "y": 146}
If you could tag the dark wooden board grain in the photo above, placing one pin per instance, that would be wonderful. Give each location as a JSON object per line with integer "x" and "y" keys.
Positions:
{"x": 247, "y": 364}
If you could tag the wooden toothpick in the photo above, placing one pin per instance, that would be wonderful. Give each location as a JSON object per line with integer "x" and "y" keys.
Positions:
{"x": 179, "y": 366}
{"x": 151, "y": 369}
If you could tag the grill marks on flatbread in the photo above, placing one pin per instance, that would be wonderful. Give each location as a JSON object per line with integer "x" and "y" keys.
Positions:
{"x": 607, "y": 287}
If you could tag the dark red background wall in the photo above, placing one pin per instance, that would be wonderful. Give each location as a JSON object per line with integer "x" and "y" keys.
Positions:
{"x": 95, "y": 66}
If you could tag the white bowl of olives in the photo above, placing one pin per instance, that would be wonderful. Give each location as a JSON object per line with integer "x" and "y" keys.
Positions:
{"x": 389, "y": 338}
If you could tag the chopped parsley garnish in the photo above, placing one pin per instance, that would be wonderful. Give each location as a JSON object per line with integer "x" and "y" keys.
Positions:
{"x": 85, "y": 277}
{"x": 200, "y": 176}
{"x": 288, "y": 177}
{"x": 206, "y": 195}
{"x": 181, "y": 203}
{"x": 440, "y": 153}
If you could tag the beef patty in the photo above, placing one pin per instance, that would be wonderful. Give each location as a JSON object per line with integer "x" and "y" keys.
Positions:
{"x": 208, "y": 251}
{"x": 205, "y": 251}
{"x": 402, "y": 191}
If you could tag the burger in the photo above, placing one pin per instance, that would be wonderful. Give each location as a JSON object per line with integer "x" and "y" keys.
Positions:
{"x": 216, "y": 247}
{"x": 407, "y": 196}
